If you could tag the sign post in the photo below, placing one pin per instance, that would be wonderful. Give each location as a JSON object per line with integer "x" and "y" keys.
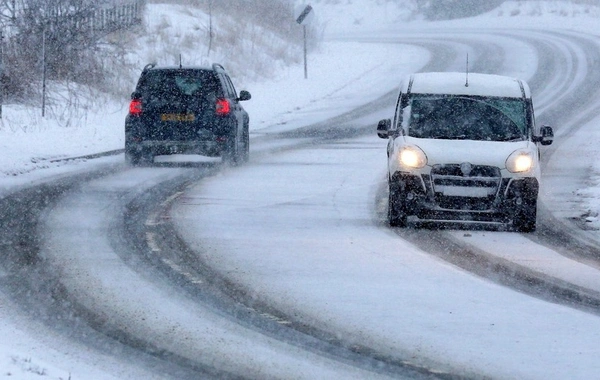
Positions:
{"x": 44, "y": 73}
{"x": 305, "y": 54}
{"x": 1, "y": 70}
{"x": 303, "y": 19}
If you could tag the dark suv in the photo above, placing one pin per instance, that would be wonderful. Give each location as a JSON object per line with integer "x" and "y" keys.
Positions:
{"x": 186, "y": 110}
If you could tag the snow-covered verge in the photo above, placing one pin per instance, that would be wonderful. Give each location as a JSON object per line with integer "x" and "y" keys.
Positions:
{"x": 28, "y": 351}
{"x": 347, "y": 73}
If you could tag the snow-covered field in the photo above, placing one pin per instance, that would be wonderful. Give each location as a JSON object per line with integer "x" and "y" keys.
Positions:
{"x": 342, "y": 74}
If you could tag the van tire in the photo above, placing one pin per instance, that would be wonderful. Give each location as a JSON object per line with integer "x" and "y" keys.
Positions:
{"x": 525, "y": 218}
{"x": 396, "y": 208}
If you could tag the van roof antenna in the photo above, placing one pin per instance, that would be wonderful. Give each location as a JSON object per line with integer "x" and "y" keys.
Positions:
{"x": 467, "y": 81}
{"x": 180, "y": 66}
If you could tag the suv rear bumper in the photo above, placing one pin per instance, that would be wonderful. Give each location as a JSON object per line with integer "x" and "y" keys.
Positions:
{"x": 141, "y": 138}
{"x": 157, "y": 148}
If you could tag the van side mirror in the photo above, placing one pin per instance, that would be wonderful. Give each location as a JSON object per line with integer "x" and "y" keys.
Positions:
{"x": 244, "y": 95}
{"x": 136, "y": 95}
{"x": 383, "y": 128}
{"x": 546, "y": 135}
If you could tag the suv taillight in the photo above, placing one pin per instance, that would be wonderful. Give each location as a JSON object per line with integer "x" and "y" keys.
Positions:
{"x": 223, "y": 107}
{"x": 135, "y": 107}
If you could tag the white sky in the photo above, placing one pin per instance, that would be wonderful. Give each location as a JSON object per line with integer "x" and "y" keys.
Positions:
{"x": 316, "y": 249}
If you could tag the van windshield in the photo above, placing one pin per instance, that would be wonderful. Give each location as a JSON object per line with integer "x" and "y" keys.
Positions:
{"x": 466, "y": 118}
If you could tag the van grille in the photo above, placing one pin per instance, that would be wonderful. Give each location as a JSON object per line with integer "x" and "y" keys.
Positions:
{"x": 472, "y": 187}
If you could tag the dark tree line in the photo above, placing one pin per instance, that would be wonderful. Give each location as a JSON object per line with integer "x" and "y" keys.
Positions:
{"x": 58, "y": 37}
{"x": 450, "y": 9}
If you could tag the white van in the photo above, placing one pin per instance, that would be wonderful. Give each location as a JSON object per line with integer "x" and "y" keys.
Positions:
{"x": 464, "y": 148}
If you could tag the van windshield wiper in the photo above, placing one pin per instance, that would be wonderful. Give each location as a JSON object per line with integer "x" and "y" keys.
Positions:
{"x": 450, "y": 137}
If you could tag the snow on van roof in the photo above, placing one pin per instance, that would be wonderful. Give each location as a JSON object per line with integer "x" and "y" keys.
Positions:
{"x": 479, "y": 84}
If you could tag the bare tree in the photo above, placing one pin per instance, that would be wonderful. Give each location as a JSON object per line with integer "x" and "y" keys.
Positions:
{"x": 71, "y": 31}
{"x": 8, "y": 12}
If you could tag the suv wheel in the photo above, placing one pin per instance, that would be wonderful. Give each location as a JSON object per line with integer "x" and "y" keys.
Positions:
{"x": 136, "y": 158}
{"x": 396, "y": 209}
{"x": 231, "y": 155}
{"x": 133, "y": 158}
{"x": 246, "y": 139}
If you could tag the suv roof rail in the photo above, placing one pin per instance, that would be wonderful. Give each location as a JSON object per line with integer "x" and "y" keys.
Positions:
{"x": 149, "y": 66}
{"x": 410, "y": 83}
{"x": 218, "y": 66}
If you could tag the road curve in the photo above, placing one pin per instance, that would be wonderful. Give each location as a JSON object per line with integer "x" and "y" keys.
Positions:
{"x": 563, "y": 72}
{"x": 106, "y": 271}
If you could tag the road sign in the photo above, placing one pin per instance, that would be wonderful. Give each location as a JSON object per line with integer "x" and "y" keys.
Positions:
{"x": 303, "y": 17}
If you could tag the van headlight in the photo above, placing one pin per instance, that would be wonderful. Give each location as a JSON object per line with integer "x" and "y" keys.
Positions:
{"x": 520, "y": 161}
{"x": 412, "y": 156}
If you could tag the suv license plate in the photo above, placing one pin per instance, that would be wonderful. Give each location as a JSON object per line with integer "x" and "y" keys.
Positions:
{"x": 177, "y": 117}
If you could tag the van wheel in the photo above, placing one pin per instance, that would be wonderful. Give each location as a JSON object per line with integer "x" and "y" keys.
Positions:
{"x": 396, "y": 209}
{"x": 525, "y": 218}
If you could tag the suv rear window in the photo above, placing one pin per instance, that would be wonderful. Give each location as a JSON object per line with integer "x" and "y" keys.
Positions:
{"x": 467, "y": 118}
{"x": 178, "y": 84}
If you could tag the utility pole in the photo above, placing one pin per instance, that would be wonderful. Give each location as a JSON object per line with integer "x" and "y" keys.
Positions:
{"x": 210, "y": 26}
{"x": 305, "y": 54}
{"x": 1, "y": 70}
{"x": 44, "y": 73}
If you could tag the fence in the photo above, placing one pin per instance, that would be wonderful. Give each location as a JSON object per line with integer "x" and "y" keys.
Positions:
{"x": 108, "y": 16}
{"x": 118, "y": 16}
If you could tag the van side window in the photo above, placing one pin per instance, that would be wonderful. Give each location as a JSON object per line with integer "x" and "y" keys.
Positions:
{"x": 397, "y": 115}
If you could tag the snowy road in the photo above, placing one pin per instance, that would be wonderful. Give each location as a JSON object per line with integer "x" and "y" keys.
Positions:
{"x": 315, "y": 285}
{"x": 323, "y": 255}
